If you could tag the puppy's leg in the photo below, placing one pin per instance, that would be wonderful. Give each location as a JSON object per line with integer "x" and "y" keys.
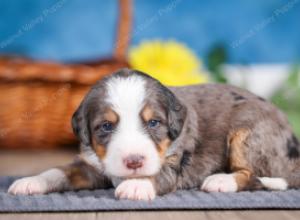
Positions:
{"x": 78, "y": 175}
{"x": 242, "y": 176}
{"x": 48, "y": 181}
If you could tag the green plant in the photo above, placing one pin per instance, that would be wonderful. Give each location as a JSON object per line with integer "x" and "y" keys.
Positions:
{"x": 216, "y": 57}
{"x": 287, "y": 98}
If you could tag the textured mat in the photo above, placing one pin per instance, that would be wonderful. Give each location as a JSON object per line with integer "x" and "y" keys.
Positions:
{"x": 103, "y": 200}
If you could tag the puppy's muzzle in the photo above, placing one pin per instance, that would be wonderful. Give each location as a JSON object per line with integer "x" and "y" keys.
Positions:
{"x": 134, "y": 161}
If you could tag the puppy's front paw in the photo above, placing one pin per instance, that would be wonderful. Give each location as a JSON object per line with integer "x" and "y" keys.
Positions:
{"x": 29, "y": 186}
{"x": 220, "y": 183}
{"x": 136, "y": 189}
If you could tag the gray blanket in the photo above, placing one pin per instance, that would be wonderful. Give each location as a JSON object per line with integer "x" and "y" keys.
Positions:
{"x": 103, "y": 200}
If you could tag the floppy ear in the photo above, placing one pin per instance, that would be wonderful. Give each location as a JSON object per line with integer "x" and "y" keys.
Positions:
{"x": 176, "y": 113}
{"x": 80, "y": 125}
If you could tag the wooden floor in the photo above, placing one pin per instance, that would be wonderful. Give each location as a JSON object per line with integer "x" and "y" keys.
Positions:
{"x": 161, "y": 215}
{"x": 29, "y": 162}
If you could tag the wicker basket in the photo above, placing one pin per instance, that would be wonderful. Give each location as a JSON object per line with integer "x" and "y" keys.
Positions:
{"x": 37, "y": 99}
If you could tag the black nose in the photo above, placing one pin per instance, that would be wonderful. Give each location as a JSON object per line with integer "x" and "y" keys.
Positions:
{"x": 134, "y": 161}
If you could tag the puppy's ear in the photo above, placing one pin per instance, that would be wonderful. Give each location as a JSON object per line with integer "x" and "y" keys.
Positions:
{"x": 80, "y": 125}
{"x": 176, "y": 113}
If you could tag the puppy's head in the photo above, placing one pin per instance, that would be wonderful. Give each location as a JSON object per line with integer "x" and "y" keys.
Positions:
{"x": 129, "y": 120}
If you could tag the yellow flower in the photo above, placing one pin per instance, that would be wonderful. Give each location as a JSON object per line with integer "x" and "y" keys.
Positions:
{"x": 170, "y": 62}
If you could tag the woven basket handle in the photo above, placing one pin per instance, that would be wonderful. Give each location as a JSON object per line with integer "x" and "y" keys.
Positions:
{"x": 124, "y": 29}
{"x": 86, "y": 73}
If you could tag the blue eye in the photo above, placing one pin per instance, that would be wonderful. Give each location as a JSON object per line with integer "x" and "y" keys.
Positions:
{"x": 107, "y": 127}
{"x": 153, "y": 123}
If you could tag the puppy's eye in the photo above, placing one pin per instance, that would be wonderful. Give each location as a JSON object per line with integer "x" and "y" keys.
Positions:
{"x": 153, "y": 123}
{"x": 107, "y": 127}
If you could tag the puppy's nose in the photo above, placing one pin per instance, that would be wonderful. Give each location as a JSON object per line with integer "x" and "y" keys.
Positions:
{"x": 134, "y": 161}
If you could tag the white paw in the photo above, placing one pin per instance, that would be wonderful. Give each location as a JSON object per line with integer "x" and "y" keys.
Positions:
{"x": 220, "y": 183}
{"x": 29, "y": 186}
{"x": 273, "y": 183}
{"x": 136, "y": 189}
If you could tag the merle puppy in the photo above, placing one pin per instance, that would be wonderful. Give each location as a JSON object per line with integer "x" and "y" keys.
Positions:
{"x": 146, "y": 139}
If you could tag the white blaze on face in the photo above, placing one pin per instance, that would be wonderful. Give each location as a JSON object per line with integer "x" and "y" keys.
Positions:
{"x": 126, "y": 96}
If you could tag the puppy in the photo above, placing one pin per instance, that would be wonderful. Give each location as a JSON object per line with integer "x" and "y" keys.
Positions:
{"x": 146, "y": 139}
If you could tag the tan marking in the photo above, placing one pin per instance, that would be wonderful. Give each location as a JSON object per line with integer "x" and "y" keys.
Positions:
{"x": 111, "y": 116}
{"x": 147, "y": 113}
{"x": 76, "y": 178}
{"x": 99, "y": 149}
{"x": 163, "y": 147}
{"x": 236, "y": 146}
{"x": 237, "y": 161}
{"x": 79, "y": 182}
{"x": 242, "y": 178}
